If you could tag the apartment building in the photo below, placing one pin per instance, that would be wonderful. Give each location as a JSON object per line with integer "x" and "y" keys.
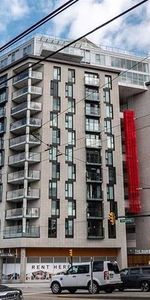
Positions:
{"x": 62, "y": 169}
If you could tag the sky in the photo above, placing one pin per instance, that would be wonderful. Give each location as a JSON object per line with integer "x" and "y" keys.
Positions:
{"x": 130, "y": 32}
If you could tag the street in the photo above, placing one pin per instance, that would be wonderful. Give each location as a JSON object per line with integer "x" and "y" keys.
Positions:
{"x": 41, "y": 291}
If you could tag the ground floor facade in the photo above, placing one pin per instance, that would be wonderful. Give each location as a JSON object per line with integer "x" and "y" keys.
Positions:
{"x": 37, "y": 264}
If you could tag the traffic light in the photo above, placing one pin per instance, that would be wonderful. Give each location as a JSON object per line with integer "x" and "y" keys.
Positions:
{"x": 70, "y": 252}
{"x": 112, "y": 218}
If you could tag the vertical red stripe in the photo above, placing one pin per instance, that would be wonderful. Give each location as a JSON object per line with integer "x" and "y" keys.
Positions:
{"x": 131, "y": 161}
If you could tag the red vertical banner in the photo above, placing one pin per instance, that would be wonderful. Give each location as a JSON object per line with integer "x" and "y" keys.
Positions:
{"x": 132, "y": 161}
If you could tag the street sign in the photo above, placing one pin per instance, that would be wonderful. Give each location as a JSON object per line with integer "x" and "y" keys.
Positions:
{"x": 127, "y": 220}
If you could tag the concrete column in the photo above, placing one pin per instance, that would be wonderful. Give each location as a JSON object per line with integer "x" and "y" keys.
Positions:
{"x": 122, "y": 258}
{"x": 1, "y": 268}
{"x": 23, "y": 265}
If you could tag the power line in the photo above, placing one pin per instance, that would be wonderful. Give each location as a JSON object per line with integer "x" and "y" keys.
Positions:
{"x": 76, "y": 40}
{"x": 38, "y": 24}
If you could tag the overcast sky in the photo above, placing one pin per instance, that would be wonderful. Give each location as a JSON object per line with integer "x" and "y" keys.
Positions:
{"x": 131, "y": 31}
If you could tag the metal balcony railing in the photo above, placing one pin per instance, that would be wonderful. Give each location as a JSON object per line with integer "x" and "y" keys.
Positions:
{"x": 17, "y": 231}
{"x": 94, "y": 111}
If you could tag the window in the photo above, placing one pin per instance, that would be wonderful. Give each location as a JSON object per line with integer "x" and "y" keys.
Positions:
{"x": 92, "y": 94}
{"x": 56, "y": 170}
{"x": 93, "y": 156}
{"x": 4, "y": 62}
{"x": 71, "y": 138}
{"x": 109, "y": 111}
{"x": 83, "y": 269}
{"x": 56, "y": 104}
{"x": 71, "y": 75}
{"x": 57, "y": 73}
{"x": 71, "y": 172}
{"x": 56, "y": 136}
{"x": 94, "y": 191}
{"x": 1, "y": 192}
{"x": 87, "y": 56}
{"x": 52, "y": 153}
{"x": 54, "y": 88}
{"x": 52, "y": 228}
{"x": 100, "y": 59}
{"x": 135, "y": 271}
{"x": 110, "y": 142}
{"x": 27, "y": 50}
{"x": 2, "y": 159}
{"x": 109, "y": 158}
{"x": 69, "y": 189}
{"x": 72, "y": 208}
{"x": 93, "y": 140}
{"x": 69, "y": 90}
{"x": 55, "y": 208}
{"x": 107, "y": 126}
{"x": 69, "y": 228}
{"x": 69, "y": 121}
{"x": 53, "y": 119}
{"x": 69, "y": 154}
{"x": 108, "y": 82}
{"x": 112, "y": 175}
{"x": 92, "y": 109}
{"x": 111, "y": 231}
{"x": 107, "y": 96}
{"x": 110, "y": 192}
{"x": 13, "y": 57}
{"x": 52, "y": 189}
{"x": 71, "y": 106}
{"x": 92, "y": 125}
{"x": 98, "y": 266}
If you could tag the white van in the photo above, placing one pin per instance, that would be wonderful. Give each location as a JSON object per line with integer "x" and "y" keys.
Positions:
{"x": 105, "y": 276}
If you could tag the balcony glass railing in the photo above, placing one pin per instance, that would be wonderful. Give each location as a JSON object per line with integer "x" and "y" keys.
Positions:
{"x": 93, "y": 176}
{"x": 32, "y": 122}
{"x": 90, "y": 80}
{"x": 3, "y": 97}
{"x": 2, "y": 127}
{"x": 92, "y": 96}
{"x": 16, "y": 158}
{"x": 18, "y": 140}
{"x": 93, "y": 127}
{"x": 17, "y": 231}
{"x": 33, "y": 174}
{"x": 95, "y": 111}
{"x": 33, "y": 212}
{"x": 33, "y": 193}
{"x": 18, "y": 212}
{"x": 25, "y": 74}
{"x": 2, "y": 112}
{"x": 15, "y": 194}
{"x": 23, "y": 106}
{"x": 16, "y": 175}
{"x": 35, "y": 157}
{"x": 31, "y": 89}
{"x": 94, "y": 143}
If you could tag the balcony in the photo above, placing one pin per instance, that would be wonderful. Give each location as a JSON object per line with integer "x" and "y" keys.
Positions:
{"x": 21, "y": 79}
{"x": 18, "y": 160}
{"x": 95, "y": 127}
{"x": 21, "y": 94}
{"x": 15, "y": 195}
{"x": 91, "y": 80}
{"x": 2, "y": 112}
{"x": 18, "y": 177}
{"x": 2, "y": 128}
{"x": 94, "y": 192}
{"x": 3, "y": 96}
{"x": 95, "y": 229}
{"x": 92, "y": 111}
{"x": 94, "y": 210}
{"x": 92, "y": 96}
{"x": 18, "y": 195}
{"x": 93, "y": 143}
{"x": 17, "y": 213}
{"x": 18, "y": 232}
{"x": 93, "y": 157}
{"x": 93, "y": 176}
{"x": 19, "y": 142}
{"x": 20, "y": 110}
{"x": 20, "y": 126}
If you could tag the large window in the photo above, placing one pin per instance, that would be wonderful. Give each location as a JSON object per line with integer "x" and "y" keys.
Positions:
{"x": 100, "y": 59}
{"x": 55, "y": 208}
{"x": 107, "y": 98}
{"x": 71, "y": 105}
{"x": 92, "y": 125}
{"x": 56, "y": 136}
{"x": 69, "y": 189}
{"x": 56, "y": 170}
{"x": 109, "y": 158}
{"x": 57, "y": 73}
{"x": 108, "y": 111}
{"x": 54, "y": 88}
{"x": 56, "y": 104}
{"x": 71, "y": 75}
{"x": 107, "y": 126}
{"x": 112, "y": 175}
{"x": 110, "y": 142}
{"x": 53, "y": 119}
{"x": 52, "y": 228}
{"x": 110, "y": 192}
{"x": 52, "y": 153}
{"x": 52, "y": 189}
{"x": 69, "y": 121}
{"x": 1, "y": 192}
{"x": 72, "y": 208}
{"x": 71, "y": 172}
{"x": 69, "y": 228}
{"x": 69, "y": 154}
{"x": 71, "y": 138}
{"x": 69, "y": 90}
{"x": 108, "y": 82}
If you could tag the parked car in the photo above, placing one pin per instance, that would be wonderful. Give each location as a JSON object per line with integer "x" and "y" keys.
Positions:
{"x": 10, "y": 293}
{"x": 135, "y": 277}
{"x": 105, "y": 277}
